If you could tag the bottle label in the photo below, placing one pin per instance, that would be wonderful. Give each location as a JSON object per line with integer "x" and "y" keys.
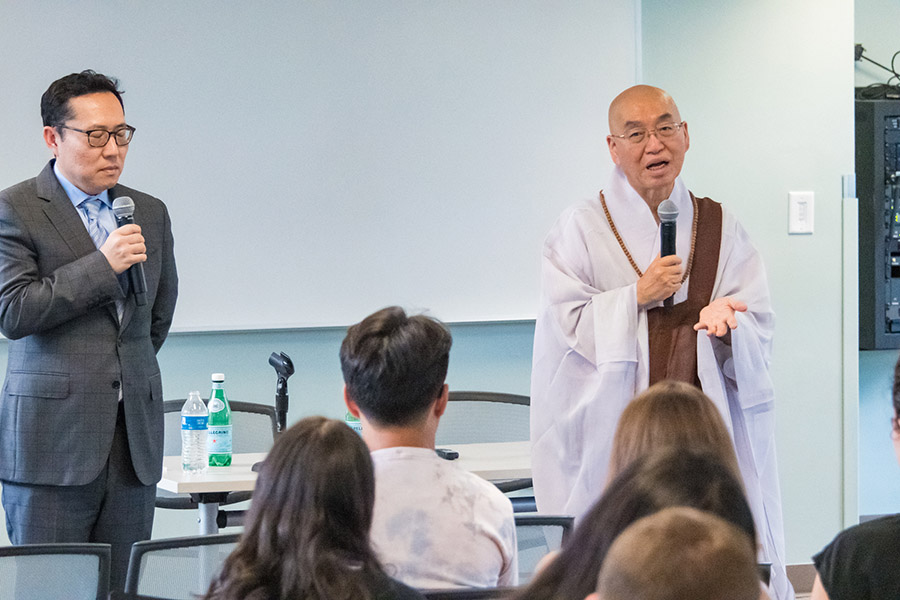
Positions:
{"x": 353, "y": 423}
{"x": 193, "y": 423}
{"x": 218, "y": 441}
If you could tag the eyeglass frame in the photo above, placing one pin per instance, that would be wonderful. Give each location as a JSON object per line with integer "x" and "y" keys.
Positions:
{"x": 648, "y": 132}
{"x": 109, "y": 134}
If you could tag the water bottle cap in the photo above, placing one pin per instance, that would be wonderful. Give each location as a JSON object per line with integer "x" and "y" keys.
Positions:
{"x": 194, "y": 393}
{"x": 218, "y": 376}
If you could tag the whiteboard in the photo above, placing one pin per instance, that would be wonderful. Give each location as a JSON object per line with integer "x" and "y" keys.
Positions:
{"x": 321, "y": 160}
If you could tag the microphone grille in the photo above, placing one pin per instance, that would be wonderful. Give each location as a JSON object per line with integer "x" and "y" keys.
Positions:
{"x": 123, "y": 207}
{"x": 667, "y": 211}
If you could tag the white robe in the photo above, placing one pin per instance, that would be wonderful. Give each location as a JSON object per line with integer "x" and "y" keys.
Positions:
{"x": 591, "y": 355}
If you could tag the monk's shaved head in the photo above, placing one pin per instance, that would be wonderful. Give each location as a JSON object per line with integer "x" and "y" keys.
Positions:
{"x": 638, "y": 94}
{"x": 649, "y": 160}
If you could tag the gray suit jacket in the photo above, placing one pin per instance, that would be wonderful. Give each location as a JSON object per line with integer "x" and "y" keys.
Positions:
{"x": 68, "y": 354}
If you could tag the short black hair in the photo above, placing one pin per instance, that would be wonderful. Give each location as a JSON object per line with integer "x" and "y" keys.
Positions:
{"x": 395, "y": 365}
{"x": 55, "y": 109}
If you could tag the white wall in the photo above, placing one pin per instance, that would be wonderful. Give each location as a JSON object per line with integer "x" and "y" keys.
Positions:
{"x": 320, "y": 159}
{"x": 767, "y": 89}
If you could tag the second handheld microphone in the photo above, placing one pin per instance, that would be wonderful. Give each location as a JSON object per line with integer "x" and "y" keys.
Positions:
{"x": 668, "y": 214}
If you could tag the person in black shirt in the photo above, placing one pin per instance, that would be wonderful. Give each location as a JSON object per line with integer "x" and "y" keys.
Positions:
{"x": 861, "y": 562}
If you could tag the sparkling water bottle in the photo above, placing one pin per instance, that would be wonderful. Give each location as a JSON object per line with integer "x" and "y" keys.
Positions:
{"x": 194, "y": 417}
{"x": 218, "y": 441}
{"x": 353, "y": 422}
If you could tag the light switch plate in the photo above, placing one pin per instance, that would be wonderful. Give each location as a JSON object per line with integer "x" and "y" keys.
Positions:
{"x": 801, "y": 212}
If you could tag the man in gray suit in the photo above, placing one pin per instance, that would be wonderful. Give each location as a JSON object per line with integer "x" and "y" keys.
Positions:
{"x": 81, "y": 421}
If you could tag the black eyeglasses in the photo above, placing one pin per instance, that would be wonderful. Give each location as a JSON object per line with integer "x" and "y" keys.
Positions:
{"x": 98, "y": 138}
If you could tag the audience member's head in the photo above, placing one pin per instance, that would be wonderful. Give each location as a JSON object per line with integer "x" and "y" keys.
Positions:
{"x": 670, "y": 477}
{"x": 679, "y": 553}
{"x": 670, "y": 413}
{"x": 394, "y": 366}
{"x": 307, "y": 530}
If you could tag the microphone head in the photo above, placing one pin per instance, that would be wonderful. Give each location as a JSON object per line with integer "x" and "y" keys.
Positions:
{"x": 123, "y": 207}
{"x": 667, "y": 211}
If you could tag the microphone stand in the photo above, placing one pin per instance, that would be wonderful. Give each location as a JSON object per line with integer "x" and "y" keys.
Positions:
{"x": 284, "y": 367}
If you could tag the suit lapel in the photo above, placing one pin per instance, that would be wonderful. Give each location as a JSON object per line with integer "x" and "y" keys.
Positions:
{"x": 65, "y": 218}
{"x": 62, "y": 214}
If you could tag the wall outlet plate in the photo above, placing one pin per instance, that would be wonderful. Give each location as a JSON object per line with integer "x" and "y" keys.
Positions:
{"x": 801, "y": 212}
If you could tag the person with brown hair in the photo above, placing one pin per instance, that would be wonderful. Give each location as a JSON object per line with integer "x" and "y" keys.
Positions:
{"x": 307, "y": 531}
{"x": 679, "y": 553}
{"x": 670, "y": 413}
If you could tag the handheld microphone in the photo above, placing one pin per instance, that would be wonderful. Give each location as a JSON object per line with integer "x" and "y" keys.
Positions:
{"x": 668, "y": 213}
{"x": 123, "y": 208}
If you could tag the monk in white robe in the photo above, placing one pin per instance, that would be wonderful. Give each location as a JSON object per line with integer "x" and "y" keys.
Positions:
{"x": 602, "y": 280}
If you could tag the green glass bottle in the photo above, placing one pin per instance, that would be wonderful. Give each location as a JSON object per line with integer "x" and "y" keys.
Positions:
{"x": 218, "y": 440}
{"x": 353, "y": 422}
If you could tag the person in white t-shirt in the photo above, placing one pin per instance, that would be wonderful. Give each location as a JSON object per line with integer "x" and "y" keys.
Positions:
{"x": 435, "y": 525}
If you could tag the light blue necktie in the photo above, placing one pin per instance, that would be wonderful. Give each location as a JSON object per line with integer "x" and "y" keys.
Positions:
{"x": 99, "y": 234}
{"x": 95, "y": 228}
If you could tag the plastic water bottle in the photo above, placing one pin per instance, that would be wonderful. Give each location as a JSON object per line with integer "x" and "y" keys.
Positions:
{"x": 218, "y": 441}
{"x": 194, "y": 417}
{"x": 353, "y": 422}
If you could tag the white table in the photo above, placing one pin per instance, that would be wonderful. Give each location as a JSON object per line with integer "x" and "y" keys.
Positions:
{"x": 492, "y": 461}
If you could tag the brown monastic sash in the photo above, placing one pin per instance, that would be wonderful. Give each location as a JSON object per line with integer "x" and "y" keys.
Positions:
{"x": 673, "y": 341}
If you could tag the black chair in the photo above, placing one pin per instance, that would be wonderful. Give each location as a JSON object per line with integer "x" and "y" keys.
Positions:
{"x": 54, "y": 571}
{"x": 177, "y": 568}
{"x": 469, "y": 593}
{"x": 483, "y": 417}
{"x": 475, "y": 417}
{"x": 537, "y": 536}
{"x": 254, "y": 431}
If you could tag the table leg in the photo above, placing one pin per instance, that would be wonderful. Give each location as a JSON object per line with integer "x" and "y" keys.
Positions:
{"x": 208, "y": 512}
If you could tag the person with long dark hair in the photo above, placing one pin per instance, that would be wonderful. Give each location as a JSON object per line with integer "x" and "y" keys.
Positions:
{"x": 307, "y": 530}
{"x": 671, "y": 477}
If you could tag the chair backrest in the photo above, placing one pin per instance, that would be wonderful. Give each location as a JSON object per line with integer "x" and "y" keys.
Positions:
{"x": 254, "y": 426}
{"x": 475, "y": 417}
{"x": 537, "y": 536}
{"x": 469, "y": 593}
{"x": 53, "y": 571}
{"x": 177, "y": 568}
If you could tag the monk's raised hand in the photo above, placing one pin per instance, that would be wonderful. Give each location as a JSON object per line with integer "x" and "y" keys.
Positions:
{"x": 661, "y": 279}
{"x": 718, "y": 317}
